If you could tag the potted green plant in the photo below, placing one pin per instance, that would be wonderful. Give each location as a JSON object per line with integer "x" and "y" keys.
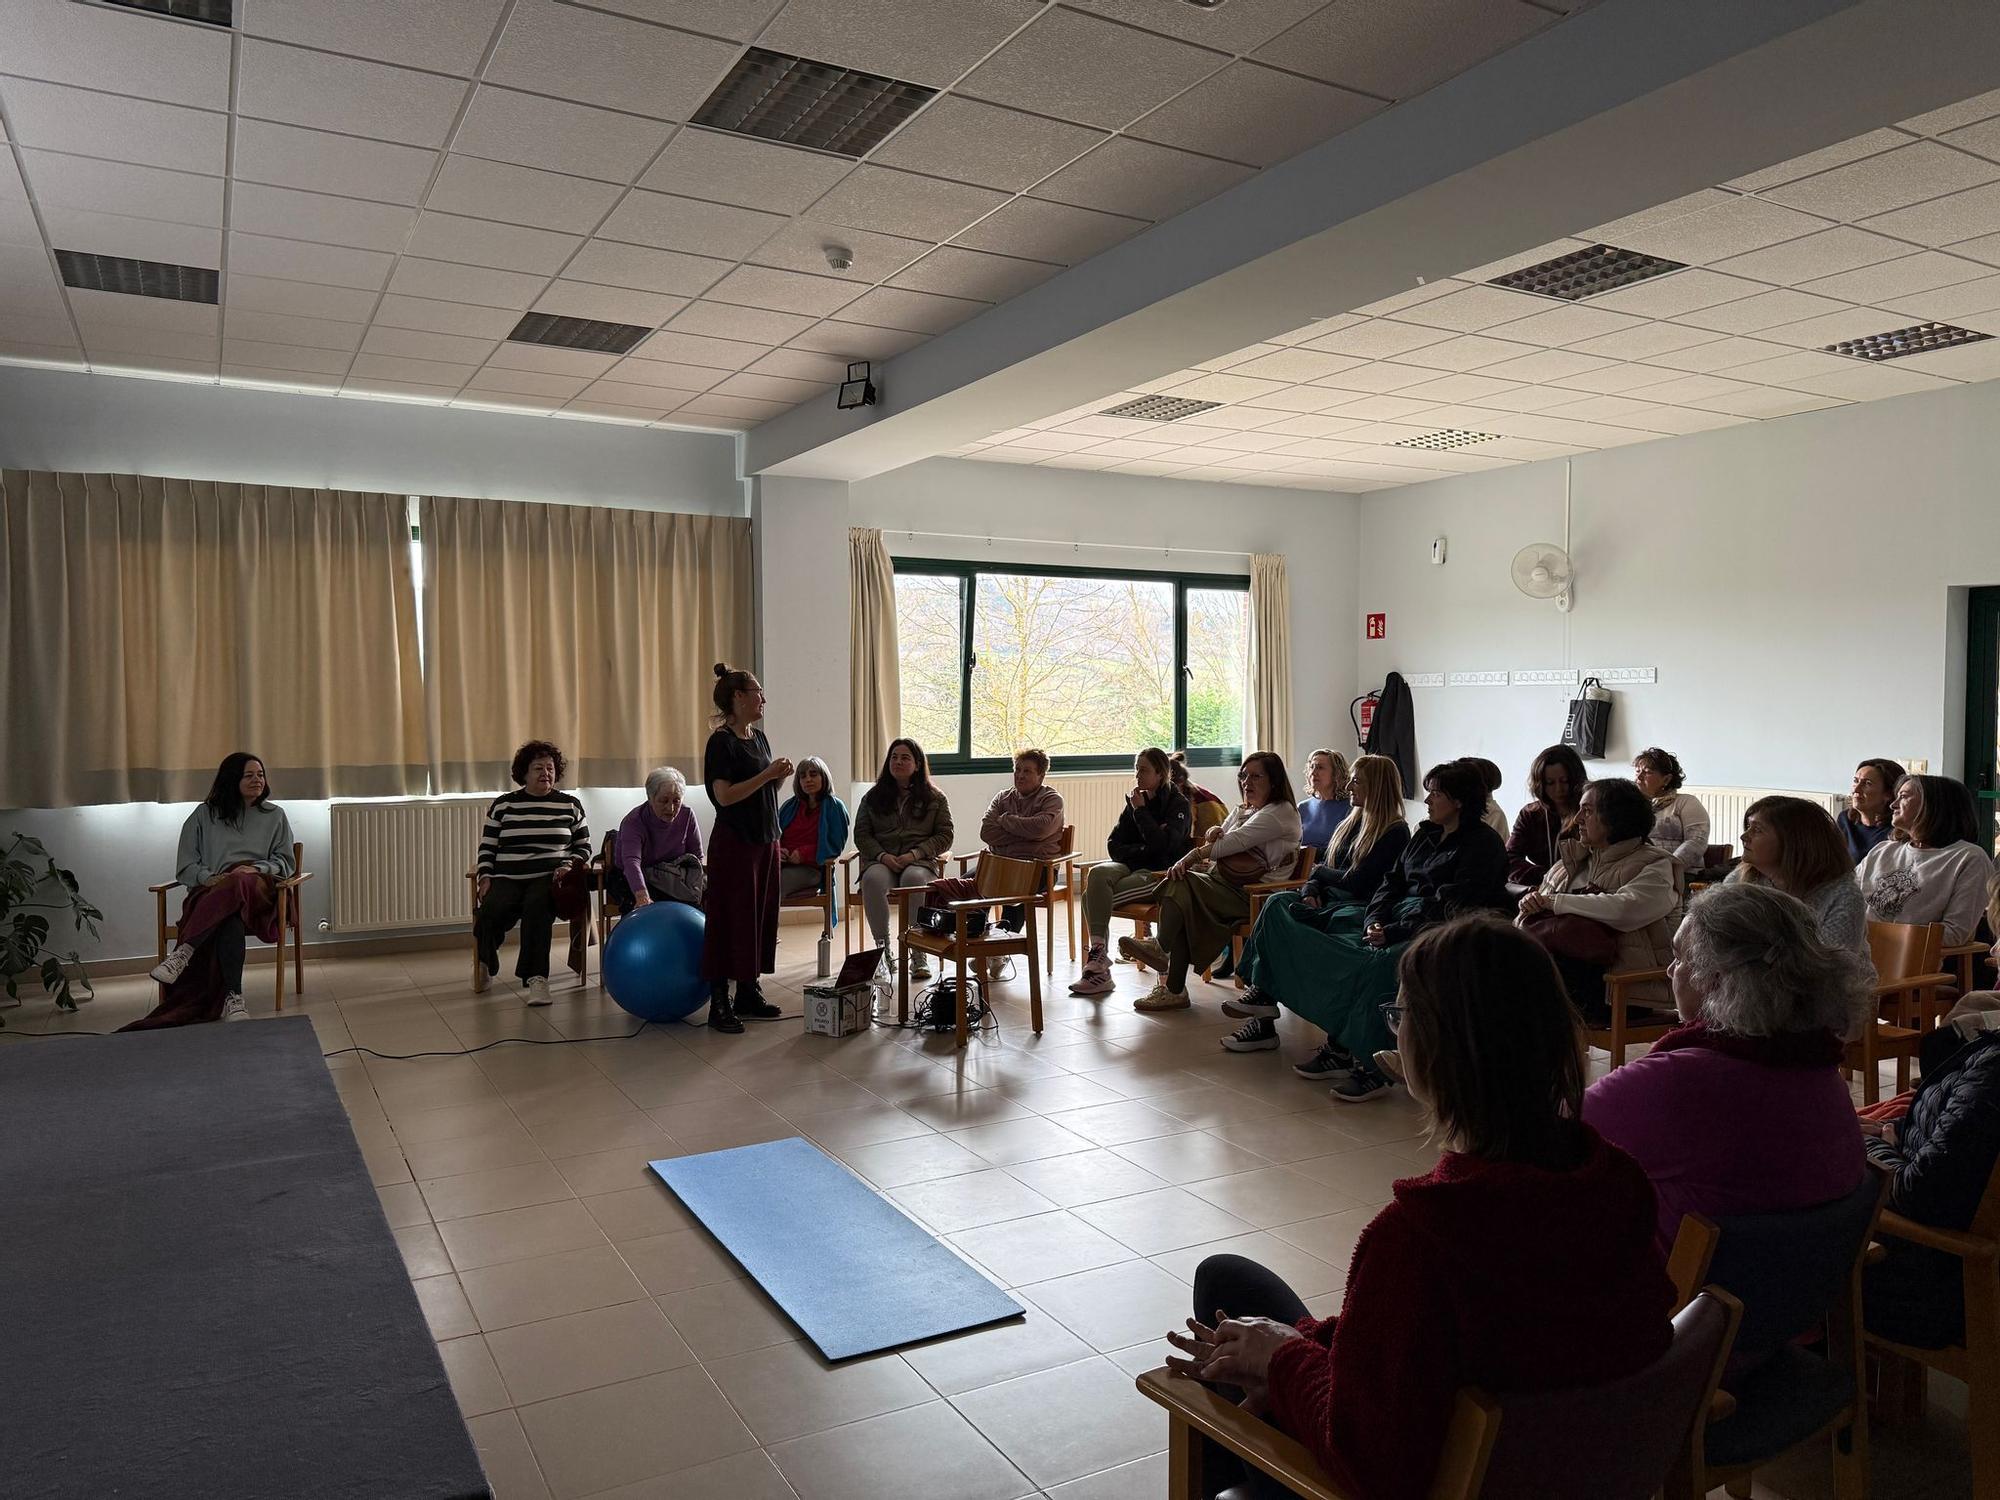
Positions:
{"x": 32, "y": 885}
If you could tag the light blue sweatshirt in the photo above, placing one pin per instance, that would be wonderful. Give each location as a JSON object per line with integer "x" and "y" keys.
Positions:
{"x": 263, "y": 838}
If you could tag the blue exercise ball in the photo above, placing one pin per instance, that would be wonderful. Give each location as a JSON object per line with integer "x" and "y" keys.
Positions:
{"x": 652, "y": 964}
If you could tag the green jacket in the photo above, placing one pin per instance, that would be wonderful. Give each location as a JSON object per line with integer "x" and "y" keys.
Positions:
{"x": 904, "y": 831}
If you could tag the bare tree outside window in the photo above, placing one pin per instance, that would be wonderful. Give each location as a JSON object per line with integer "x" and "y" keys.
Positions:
{"x": 929, "y": 639}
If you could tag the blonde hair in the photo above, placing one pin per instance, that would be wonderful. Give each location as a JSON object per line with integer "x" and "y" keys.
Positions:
{"x": 1375, "y": 787}
{"x": 1341, "y": 774}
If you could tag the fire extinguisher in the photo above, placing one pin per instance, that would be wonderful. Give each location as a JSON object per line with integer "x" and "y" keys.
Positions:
{"x": 1362, "y": 712}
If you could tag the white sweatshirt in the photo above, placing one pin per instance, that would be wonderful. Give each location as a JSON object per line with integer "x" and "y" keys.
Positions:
{"x": 1902, "y": 883}
{"x": 1680, "y": 826}
{"x": 1272, "y": 831}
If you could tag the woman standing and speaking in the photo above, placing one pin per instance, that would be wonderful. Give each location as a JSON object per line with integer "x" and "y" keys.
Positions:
{"x": 740, "y": 941}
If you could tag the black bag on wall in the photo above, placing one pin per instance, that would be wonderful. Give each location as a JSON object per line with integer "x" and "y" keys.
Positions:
{"x": 1588, "y": 728}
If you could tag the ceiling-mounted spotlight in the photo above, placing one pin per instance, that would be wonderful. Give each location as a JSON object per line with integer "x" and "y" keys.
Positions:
{"x": 857, "y": 389}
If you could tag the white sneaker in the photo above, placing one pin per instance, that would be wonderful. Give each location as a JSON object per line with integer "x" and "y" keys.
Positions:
{"x": 1145, "y": 951}
{"x": 1159, "y": 997}
{"x": 232, "y": 1009}
{"x": 538, "y": 991}
{"x": 173, "y": 965}
{"x": 920, "y": 964}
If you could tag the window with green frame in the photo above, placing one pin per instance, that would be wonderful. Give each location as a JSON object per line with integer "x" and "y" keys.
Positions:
{"x": 1088, "y": 664}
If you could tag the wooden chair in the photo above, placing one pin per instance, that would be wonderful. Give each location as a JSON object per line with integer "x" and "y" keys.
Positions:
{"x": 1262, "y": 891}
{"x": 1002, "y": 882}
{"x": 580, "y": 930}
{"x": 825, "y": 899}
{"x": 1909, "y": 968}
{"x": 1058, "y": 883}
{"x": 289, "y": 921}
{"x": 603, "y": 865}
{"x": 1966, "y": 956}
{"x": 1624, "y": 1031}
{"x": 1975, "y": 1359}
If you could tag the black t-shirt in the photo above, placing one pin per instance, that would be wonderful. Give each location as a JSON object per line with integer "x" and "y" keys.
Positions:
{"x": 731, "y": 758}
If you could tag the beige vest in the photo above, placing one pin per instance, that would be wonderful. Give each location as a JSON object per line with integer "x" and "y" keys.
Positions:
{"x": 1582, "y": 871}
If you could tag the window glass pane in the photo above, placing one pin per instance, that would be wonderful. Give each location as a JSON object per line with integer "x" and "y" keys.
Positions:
{"x": 929, "y": 631}
{"x": 1076, "y": 666}
{"x": 1218, "y": 666}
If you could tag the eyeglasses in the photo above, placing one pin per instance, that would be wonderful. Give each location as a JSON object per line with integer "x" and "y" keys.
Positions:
{"x": 1393, "y": 1014}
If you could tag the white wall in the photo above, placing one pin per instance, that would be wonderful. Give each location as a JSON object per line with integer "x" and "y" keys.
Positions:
{"x": 1792, "y": 582}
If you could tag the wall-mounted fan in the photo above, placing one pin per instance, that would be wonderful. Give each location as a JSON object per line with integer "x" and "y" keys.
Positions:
{"x": 1542, "y": 570}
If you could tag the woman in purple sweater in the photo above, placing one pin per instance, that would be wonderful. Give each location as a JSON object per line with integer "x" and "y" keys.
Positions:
{"x": 1743, "y": 1109}
{"x": 659, "y": 846}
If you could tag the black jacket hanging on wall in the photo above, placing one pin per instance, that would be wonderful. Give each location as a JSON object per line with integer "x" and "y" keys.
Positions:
{"x": 1394, "y": 732}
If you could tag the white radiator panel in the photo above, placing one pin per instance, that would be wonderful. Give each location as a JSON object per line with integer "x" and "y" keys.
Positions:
{"x": 402, "y": 864}
{"x": 1093, "y": 804}
{"x": 1727, "y": 804}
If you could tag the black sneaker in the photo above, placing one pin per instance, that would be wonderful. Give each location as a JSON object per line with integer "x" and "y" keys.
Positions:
{"x": 1330, "y": 1061}
{"x": 1362, "y": 1085}
{"x": 756, "y": 1008}
{"x": 1259, "y": 1034}
{"x": 1252, "y": 1002}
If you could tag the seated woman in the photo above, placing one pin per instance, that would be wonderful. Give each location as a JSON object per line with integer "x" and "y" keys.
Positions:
{"x": 531, "y": 837}
{"x": 1524, "y": 1261}
{"x": 1282, "y": 956}
{"x": 812, "y": 829}
{"x": 1865, "y": 823}
{"x": 1934, "y": 869}
{"x": 234, "y": 849}
{"x": 902, "y": 832}
{"x": 1202, "y": 899}
{"x": 1743, "y": 1109}
{"x": 1209, "y": 809}
{"x": 1153, "y": 831}
{"x": 1626, "y": 892}
{"x": 1023, "y": 822}
{"x": 1680, "y": 822}
{"x": 1328, "y": 806}
{"x": 1555, "y": 786}
{"x": 1792, "y": 845}
{"x": 659, "y": 848}
{"x": 1494, "y": 778}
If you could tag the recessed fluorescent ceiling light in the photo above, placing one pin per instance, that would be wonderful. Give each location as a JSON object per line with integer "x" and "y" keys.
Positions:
{"x": 1448, "y": 437}
{"x": 577, "y": 333}
{"x": 803, "y": 103}
{"x": 1159, "y": 408}
{"x": 136, "y": 278}
{"x": 1921, "y": 338}
{"x": 1588, "y": 272}
{"x": 209, "y": 12}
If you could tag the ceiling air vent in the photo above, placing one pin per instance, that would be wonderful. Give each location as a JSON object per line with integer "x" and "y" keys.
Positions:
{"x": 1447, "y": 437}
{"x": 136, "y": 278}
{"x": 1159, "y": 408}
{"x": 1588, "y": 272}
{"x": 208, "y": 12}
{"x": 1921, "y": 338}
{"x": 804, "y": 103}
{"x": 577, "y": 333}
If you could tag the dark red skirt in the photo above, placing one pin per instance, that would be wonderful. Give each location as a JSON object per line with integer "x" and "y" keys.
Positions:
{"x": 741, "y": 939}
{"x": 197, "y": 995}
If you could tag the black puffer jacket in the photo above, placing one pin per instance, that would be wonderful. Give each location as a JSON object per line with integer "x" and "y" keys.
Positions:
{"x": 1946, "y": 1146}
{"x": 1153, "y": 837}
{"x": 1441, "y": 875}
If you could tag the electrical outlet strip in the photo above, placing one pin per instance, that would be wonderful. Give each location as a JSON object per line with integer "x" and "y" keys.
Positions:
{"x": 1564, "y": 677}
{"x": 1627, "y": 675}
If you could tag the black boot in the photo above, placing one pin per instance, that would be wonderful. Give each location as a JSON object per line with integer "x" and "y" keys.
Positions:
{"x": 751, "y": 1004}
{"x": 721, "y": 1014}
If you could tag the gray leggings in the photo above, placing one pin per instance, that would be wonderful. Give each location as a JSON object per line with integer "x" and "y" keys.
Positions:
{"x": 876, "y": 881}
{"x": 796, "y": 880}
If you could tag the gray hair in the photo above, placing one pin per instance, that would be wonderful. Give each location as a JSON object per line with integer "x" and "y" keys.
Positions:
{"x": 1758, "y": 954}
{"x": 665, "y": 776}
{"x": 813, "y": 763}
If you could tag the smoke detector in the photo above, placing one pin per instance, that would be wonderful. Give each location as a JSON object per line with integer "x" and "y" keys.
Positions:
{"x": 839, "y": 257}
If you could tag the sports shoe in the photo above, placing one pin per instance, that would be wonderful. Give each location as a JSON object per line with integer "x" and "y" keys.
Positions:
{"x": 1096, "y": 978}
{"x": 232, "y": 1009}
{"x": 1252, "y": 1002}
{"x": 1390, "y": 1065}
{"x": 1159, "y": 997}
{"x": 538, "y": 990}
{"x": 754, "y": 1007}
{"x": 920, "y": 964}
{"x": 1258, "y": 1034}
{"x": 173, "y": 965}
{"x": 999, "y": 970}
{"x": 1143, "y": 950}
{"x": 1360, "y": 1086}
{"x": 1330, "y": 1061}
{"x": 480, "y": 977}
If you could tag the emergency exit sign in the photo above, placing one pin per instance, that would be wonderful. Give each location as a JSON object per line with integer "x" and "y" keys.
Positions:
{"x": 1378, "y": 627}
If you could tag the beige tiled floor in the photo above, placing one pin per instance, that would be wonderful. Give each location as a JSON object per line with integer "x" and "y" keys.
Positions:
{"x": 601, "y": 1344}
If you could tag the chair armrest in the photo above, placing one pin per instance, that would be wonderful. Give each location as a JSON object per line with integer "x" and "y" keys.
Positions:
{"x": 161, "y": 890}
{"x": 1272, "y": 887}
{"x": 1875, "y": 1254}
{"x": 293, "y": 882}
{"x": 1886, "y": 987}
{"x": 980, "y": 903}
{"x": 1621, "y": 979}
{"x": 1250, "y": 1438}
{"x": 1951, "y": 1241}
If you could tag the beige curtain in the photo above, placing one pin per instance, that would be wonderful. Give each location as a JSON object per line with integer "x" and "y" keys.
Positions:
{"x": 152, "y": 626}
{"x": 874, "y": 677}
{"x": 597, "y": 629}
{"x": 1270, "y": 656}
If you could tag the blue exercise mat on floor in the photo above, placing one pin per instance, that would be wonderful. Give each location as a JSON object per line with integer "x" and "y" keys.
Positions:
{"x": 850, "y": 1268}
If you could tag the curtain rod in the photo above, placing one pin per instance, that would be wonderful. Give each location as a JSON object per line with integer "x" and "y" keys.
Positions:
{"x": 1042, "y": 541}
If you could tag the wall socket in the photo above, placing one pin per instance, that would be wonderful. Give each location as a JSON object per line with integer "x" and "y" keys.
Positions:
{"x": 1918, "y": 765}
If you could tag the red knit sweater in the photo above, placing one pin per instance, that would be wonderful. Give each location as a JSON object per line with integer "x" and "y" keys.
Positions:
{"x": 1493, "y": 1274}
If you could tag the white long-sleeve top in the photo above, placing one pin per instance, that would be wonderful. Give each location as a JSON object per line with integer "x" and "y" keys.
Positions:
{"x": 1902, "y": 883}
{"x": 1680, "y": 826}
{"x": 1272, "y": 830}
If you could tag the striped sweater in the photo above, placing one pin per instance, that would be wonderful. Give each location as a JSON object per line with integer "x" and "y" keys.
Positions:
{"x": 528, "y": 836}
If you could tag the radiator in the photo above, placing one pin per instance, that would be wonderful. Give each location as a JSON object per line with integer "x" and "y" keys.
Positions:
{"x": 1727, "y": 804}
{"x": 402, "y": 864}
{"x": 1093, "y": 804}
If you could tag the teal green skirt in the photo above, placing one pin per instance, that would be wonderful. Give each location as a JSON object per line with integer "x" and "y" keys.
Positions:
{"x": 1317, "y": 964}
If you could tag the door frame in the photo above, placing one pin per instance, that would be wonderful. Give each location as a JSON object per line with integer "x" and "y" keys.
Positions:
{"x": 1982, "y": 704}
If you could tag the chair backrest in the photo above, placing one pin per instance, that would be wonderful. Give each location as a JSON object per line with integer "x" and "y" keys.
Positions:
{"x": 1717, "y": 856}
{"x": 1619, "y": 1440}
{"x": 1002, "y": 879}
{"x": 1986, "y": 1221}
{"x": 1904, "y": 949}
{"x": 1788, "y": 1269}
{"x": 1068, "y": 845}
{"x": 1303, "y": 864}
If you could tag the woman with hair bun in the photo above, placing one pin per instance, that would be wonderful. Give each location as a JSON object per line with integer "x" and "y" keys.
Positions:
{"x": 740, "y": 941}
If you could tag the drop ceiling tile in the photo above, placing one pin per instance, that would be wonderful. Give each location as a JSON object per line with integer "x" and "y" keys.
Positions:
{"x": 671, "y": 346}
{"x": 801, "y": 364}
{"x": 1765, "y": 310}
{"x": 1966, "y": 362}
{"x": 1416, "y": 296}
{"x": 1925, "y": 271}
{"x": 1293, "y": 364}
{"x": 610, "y": 61}
{"x": 1086, "y": 69}
{"x": 541, "y": 359}
{"x": 399, "y": 311}
{"x": 1787, "y": 368}
{"x": 1225, "y": 388}
{"x": 1244, "y": 356}
{"x": 1986, "y": 248}
{"x": 1122, "y": 449}
{"x": 1561, "y": 326}
{"x": 1832, "y": 328}
{"x": 1676, "y": 293}
{"x": 282, "y": 328}
{"x": 1472, "y": 308}
{"x": 1239, "y": 27}
{"x": 500, "y": 247}
{"x": 1722, "y": 354}
{"x": 1538, "y": 397}
{"x": 1456, "y": 388}
{"x": 743, "y": 324}
{"x": 297, "y": 260}
{"x": 327, "y": 92}
{"x": 968, "y": 141}
{"x": 1469, "y": 351}
{"x": 1943, "y": 221}
{"x": 1894, "y": 179}
{"x": 801, "y": 246}
{"x": 1037, "y": 230}
{"x": 96, "y": 310}
{"x": 1318, "y": 329}
{"x": 287, "y": 156}
{"x": 146, "y": 239}
{"x": 1381, "y": 375}
{"x": 557, "y": 135}
{"x": 678, "y": 377}
{"x": 1858, "y": 380}
{"x": 1526, "y": 449}
{"x": 290, "y": 214}
{"x": 1141, "y": 180}
{"x": 1123, "y": 429}
{"x": 771, "y": 388}
{"x": 1962, "y": 300}
{"x": 270, "y": 356}
{"x": 1364, "y": 409}
{"x": 668, "y": 222}
{"x": 1379, "y": 339}
{"x": 257, "y": 376}
{"x": 48, "y": 332}
{"x": 730, "y": 406}
{"x": 1272, "y": 408}
{"x": 974, "y": 274}
{"x": 645, "y": 270}
{"x": 1541, "y": 364}
{"x": 412, "y": 344}
{"x": 1686, "y": 390}
{"x": 1254, "y": 114}
{"x": 1610, "y": 380}
{"x": 1766, "y": 401}
{"x": 441, "y": 38}
{"x": 1734, "y": 227}
{"x": 903, "y": 203}
{"x": 448, "y": 282}
{"x": 419, "y": 392}
{"x": 856, "y": 341}
{"x": 750, "y": 173}
{"x": 114, "y": 127}
{"x": 1837, "y": 155}
{"x": 1396, "y": 51}
{"x": 1826, "y": 253}
{"x": 1982, "y": 139}
{"x": 783, "y": 291}
{"x": 1616, "y": 232}
{"x": 1953, "y": 116}
{"x": 909, "y": 39}
{"x": 117, "y": 51}
{"x": 579, "y": 299}
{"x": 654, "y": 398}
{"x": 146, "y": 348}
{"x": 527, "y": 383}
{"x": 738, "y": 20}
{"x": 484, "y": 189}
{"x": 912, "y": 312}
{"x": 423, "y": 371}
{"x": 112, "y": 187}
{"x": 633, "y": 414}
{"x": 297, "y": 298}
